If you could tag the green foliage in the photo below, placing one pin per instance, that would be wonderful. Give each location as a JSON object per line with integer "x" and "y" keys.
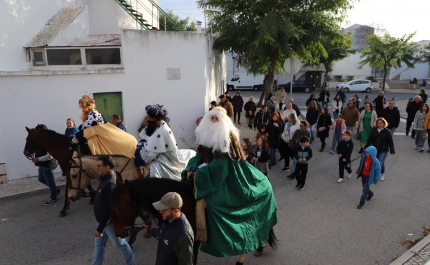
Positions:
{"x": 387, "y": 51}
{"x": 181, "y": 24}
{"x": 263, "y": 34}
{"x": 425, "y": 54}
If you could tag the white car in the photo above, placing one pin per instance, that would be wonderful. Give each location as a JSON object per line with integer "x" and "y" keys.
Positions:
{"x": 357, "y": 85}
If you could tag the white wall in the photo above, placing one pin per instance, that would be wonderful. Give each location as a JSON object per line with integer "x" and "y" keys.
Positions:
{"x": 349, "y": 67}
{"x": 51, "y": 99}
{"x": 421, "y": 71}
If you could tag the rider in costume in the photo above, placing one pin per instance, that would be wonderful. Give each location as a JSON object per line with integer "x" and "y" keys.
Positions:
{"x": 157, "y": 153}
{"x": 240, "y": 205}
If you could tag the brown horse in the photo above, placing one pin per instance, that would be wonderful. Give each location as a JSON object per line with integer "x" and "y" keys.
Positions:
{"x": 135, "y": 198}
{"x": 56, "y": 145}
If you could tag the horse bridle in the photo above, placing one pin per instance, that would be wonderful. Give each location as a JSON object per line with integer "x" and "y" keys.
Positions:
{"x": 81, "y": 169}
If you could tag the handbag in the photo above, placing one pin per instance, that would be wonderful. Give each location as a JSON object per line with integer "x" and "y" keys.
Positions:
{"x": 424, "y": 135}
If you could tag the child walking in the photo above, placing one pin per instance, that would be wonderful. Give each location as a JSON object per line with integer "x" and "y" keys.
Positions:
{"x": 261, "y": 157}
{"x": 344, "y": 151}
{"x": 370, "y": 172}
{"x": 339, "y": 128}
{"x": 302, "y": 154}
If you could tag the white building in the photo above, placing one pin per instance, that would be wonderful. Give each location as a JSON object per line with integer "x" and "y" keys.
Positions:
{"x": 52, "y": 54}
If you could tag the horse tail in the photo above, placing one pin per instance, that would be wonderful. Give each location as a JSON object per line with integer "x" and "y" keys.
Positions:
{"x": 273, "y": 241}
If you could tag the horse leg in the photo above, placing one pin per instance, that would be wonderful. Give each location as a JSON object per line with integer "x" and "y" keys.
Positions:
{"x": 90, "y": 189}
{"x": 240, "y": 259}
{"x": 196, "y": 247}
{"x": 66, "y": 200}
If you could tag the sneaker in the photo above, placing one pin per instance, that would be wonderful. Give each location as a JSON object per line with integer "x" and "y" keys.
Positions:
{"x": 369, "y": 197}
{"x": 361, "y": 151}
{"x": 285, "y": 169}
{"x": 360, "y": 206}
{"x": 413, "y": 136}
{"x": 49, "y": 202}
{"x": 297, "y": 185}
{"x": 331, "y": 152}
{"x": 291, "y": 176}
{"x": 349, "y": 175}
{"x": 421, "y": 149}
{"x": 339, "y": 180}
{"x": 301, "y": 187}
{"x": 383, "y": 176}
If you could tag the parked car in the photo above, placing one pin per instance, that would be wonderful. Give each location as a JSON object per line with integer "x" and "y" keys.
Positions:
{"x": 299, "y": 86}
{"x": 357, "y": 85}
{"x": 244, "y": 81}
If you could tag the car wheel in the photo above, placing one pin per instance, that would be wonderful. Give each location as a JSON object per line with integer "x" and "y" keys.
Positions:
{"x": 255, "y": 88}
{"x": 307, "y": 89}
{"x": 346, "y": 89}
{"x": 230, "y": 88}
{"x": 368, "y": 90}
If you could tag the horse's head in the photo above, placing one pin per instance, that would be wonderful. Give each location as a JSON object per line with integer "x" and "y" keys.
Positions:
{"x": 79, "y": 178}
{"x": 124, "y": 211}
{"x": 31, "y": 143}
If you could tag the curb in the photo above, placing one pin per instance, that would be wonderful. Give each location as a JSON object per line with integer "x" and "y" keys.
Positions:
{"x": 412, "y": 251}
{"x": 27, "y": 193}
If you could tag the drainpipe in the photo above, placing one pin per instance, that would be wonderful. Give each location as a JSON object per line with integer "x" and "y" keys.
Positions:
{"x": 199, "y": 26}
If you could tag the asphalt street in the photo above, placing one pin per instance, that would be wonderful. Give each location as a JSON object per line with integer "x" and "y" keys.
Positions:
{"x": 320, "y": 225}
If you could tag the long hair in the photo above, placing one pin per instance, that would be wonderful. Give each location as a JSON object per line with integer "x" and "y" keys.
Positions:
{"x": 326, "y": 113}
{"x": 371, "y": 107}
{"x": 293, "y": 118}
{"x": 248, "y": 144}
{"x": 265, "y": 144}
{"x": 422, "y": 107}
{"x": 315, "y": 105}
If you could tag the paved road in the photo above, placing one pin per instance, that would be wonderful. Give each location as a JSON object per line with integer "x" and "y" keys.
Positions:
{"x": 319, "y": 225}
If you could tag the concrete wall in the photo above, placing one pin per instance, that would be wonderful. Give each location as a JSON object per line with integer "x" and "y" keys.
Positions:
{"x": 51, "y": 99}
{"x": 421, "y": 71}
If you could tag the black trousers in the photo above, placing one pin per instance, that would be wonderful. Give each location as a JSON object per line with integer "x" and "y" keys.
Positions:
{"x": 300, "y": 172}
{"x": 409, "y": 123}
{"x": 322, "y": 140}
{"x": 344, "y": 165}
{"x": 280, "y": 105}
{"x": 238, "y": 116}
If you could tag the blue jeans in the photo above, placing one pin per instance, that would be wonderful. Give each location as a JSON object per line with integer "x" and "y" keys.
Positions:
{"x": 119, "y": 243}
{"x": 46, "y": 176}
{"x": 336, "y": 139}
{"x": 250, "y": 121}
{"x": 335, "y": 114}
{"x": 392, "y": 131}
{"x": 294, "y": 165}
{"x": 381, "y": 157}
{"x": 272, "y": 156}
{"x": 366, "y": 189}
{"x": 324, "y": 104}
{"x": 419, "y": 141}
{"x": 312, "y": 130}
{"x": 351, "y": 129}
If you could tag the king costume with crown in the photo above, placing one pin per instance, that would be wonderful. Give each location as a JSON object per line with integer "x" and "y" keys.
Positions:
{"x": 240, "y": 205}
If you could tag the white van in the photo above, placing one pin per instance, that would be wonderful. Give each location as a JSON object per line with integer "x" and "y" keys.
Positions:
{"x": 245, "y": 81}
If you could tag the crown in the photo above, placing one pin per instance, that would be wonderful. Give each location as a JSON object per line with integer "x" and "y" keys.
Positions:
{"x": 220, "y": 109}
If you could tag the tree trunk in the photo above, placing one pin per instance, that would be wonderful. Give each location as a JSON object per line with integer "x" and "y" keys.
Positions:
{"x": 385, "y": 77}
{"x": 268, "y": 80}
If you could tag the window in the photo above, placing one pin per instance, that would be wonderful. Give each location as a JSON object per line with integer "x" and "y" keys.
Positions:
{"x": 103, "y": 56}
{"x": 38, "y": 57}
{"x": 64, "y": 56}
{"x": 235, "y": 78}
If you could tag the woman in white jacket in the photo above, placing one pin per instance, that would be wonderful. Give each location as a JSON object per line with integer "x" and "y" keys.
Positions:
{"x": 336, "y": 106}
{"x": 288, "y": 110}
{"x": 291, "y": 126}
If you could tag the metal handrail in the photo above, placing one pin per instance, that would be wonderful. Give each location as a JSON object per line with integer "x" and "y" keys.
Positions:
{"x": 156, "y": 16}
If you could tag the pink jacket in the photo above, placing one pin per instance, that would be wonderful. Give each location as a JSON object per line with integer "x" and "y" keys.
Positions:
{"x": 342, "y": 127}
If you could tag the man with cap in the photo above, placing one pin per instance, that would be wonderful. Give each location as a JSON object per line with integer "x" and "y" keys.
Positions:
{"x": 223, "y": 102}
{"x": 176, "y": 237}
{"x": 157, "y": 153}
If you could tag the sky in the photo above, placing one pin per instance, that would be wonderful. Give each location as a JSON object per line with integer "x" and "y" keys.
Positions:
{"x": 399, "y": 17}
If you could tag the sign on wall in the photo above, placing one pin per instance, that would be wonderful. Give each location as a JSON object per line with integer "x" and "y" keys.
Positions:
{"x": 173, "y": 73}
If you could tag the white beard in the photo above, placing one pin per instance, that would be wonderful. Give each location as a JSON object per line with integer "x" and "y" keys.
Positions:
{"x": 216, "y": 135}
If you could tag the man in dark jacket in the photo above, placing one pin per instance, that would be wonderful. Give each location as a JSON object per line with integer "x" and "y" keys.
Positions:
{"x": 250, "y": 109}
{"x": 342, "y": 94}
{"x": 324, "y": 97}
{"x": 392, "y": 116}
{"x": 379, "y": 103}
{"x": 295, "y": 107}
{"x": 261, "y": 117}
{"x": 412, "y": 109}
{"x": 176, "y": 238}
{"x": 102, "y": 212}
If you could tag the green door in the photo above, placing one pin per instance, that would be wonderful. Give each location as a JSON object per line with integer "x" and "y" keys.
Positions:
{"x": 109, "y": 104}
